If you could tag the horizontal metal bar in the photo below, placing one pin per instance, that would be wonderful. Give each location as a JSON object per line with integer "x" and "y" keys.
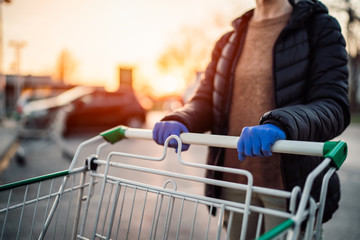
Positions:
{"x": 230, "y": 205}
{"x": 40, "y": 178}
{"x": 243, "y": 187}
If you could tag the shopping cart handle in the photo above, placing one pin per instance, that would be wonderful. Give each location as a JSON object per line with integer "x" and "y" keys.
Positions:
{"x": 337, "y": 151}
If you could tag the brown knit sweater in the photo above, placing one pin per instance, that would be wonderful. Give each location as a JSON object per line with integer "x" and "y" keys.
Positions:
{"x": 253, "y": 95}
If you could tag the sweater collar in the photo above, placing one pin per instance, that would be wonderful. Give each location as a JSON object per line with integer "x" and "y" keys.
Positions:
{"x": 242, "y": 21}
{"x": 302, "y": 11}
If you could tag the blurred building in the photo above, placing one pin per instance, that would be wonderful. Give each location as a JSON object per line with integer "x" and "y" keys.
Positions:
{"x": 125, "y": 78}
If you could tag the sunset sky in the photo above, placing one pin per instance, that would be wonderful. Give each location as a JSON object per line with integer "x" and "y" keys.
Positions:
{"x": 102, "y": 35}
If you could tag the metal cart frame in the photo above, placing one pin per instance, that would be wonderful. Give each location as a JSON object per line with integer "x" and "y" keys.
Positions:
{"x": 168, "y": 213}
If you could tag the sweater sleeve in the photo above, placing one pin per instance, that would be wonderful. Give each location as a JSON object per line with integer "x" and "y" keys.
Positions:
{"x": 325, "y": 112}
{"x": 196, "y": 115}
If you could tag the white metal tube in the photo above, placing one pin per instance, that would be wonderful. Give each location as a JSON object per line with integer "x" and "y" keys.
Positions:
{"x": 80, "y": 147}
{"x": 210, "y": 140}
{"x": 138, "y": 133}
{"x": 299, "y": 147}
{"x": 281, "y": 146}
{"x": 307, "y": 188}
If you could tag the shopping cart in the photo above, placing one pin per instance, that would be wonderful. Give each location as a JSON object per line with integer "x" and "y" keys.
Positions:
{"x": 117, "y": 196}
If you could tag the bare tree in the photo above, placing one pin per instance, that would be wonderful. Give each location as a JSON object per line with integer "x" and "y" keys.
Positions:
{"x": 351, "y": 10}
{"x": 190, "y": 49}
{"x": 187, "y": 53}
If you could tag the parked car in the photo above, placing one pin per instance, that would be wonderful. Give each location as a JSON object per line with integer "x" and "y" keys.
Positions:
{"x": 101, "y": 110}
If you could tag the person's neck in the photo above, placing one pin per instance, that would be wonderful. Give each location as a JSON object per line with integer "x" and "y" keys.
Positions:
{"x": 267, "y": 9}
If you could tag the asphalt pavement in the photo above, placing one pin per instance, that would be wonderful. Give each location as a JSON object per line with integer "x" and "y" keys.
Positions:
{"x": 8, "y": 142}
{"x": 345, "y": 222}
{"x": 343, "y": 225}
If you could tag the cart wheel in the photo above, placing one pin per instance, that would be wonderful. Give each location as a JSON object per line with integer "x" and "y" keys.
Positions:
{"x": 20, "y": 157}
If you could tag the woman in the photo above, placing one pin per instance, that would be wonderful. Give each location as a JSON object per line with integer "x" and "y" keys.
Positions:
{"x": 284, "y": 63}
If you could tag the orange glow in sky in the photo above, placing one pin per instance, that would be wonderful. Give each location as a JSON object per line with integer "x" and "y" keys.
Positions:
{"x": 103, "y": 35}
{"x": 169, "y": 84}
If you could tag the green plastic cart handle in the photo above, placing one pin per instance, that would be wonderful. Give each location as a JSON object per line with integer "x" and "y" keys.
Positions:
{"x": 115, "y": 134}
{"x": 337, "y": 151}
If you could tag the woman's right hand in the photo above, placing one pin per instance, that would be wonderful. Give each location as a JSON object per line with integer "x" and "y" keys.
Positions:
{"x": 163, "y": 129}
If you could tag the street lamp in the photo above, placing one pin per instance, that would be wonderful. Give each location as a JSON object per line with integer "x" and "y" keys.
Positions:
{"x": 2, "y": 75}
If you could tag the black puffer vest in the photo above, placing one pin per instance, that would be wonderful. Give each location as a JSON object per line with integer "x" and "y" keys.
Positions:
{"x": 310, "y": 74}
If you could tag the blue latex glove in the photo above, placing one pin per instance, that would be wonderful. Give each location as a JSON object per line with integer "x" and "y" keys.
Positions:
{"x": 162, "y": 130}
{"x": 258, "y": 140}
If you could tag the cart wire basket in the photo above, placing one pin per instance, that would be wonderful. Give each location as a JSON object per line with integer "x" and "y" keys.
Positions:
{"x": 117, "y": 196}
